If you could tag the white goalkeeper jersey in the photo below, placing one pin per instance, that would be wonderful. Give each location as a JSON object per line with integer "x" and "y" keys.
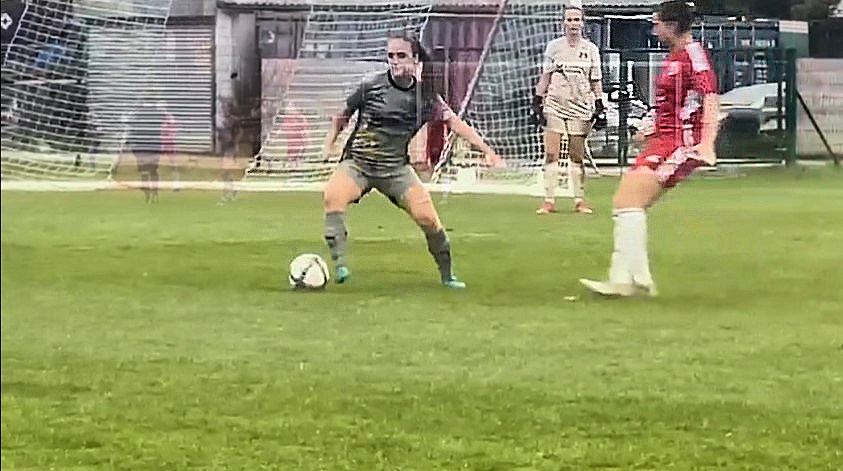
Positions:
{"x": 569, "y": 95}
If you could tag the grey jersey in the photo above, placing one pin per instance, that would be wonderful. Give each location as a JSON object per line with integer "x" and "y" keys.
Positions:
{"x": 389, "y": 117}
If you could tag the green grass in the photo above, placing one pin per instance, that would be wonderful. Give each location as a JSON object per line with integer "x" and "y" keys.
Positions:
{"x": 164, "y": 337}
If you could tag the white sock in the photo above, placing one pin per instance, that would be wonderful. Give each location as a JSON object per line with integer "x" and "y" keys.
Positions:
{"x": 551, "y": 180}
{"x": 619, "y": 271}
{"x": 633, "y": 264}
{"x": 575, "y": 180}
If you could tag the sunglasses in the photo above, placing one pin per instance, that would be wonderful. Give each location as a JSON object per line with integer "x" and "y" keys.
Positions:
{"x": 397, "y": 55}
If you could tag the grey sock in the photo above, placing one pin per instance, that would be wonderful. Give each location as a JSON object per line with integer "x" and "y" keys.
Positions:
{"x": 440, "y": 248}
{"x": 336, "y": 236}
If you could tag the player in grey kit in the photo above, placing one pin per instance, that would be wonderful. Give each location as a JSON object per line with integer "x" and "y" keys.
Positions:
{"x": 143, "y": 139}
{"x": 391, "y": 107}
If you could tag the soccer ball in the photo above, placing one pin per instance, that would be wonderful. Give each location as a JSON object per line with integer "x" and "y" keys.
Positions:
{"x": 308, "y": 271}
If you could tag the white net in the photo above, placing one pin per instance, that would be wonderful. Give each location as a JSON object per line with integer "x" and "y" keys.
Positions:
{"x": 73, "y": 71}
{"x": 341, "y": 44}
{"x": 499, "y": 106}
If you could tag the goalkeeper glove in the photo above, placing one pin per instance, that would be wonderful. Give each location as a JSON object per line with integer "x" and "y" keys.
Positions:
{"x": 599, "y": 116}
{"x": 537, "y": 115}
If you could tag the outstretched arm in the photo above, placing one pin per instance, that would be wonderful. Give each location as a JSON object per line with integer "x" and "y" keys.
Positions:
{"x": 338, "y": 123}
{"x": 340, "y": 120}
{"x": 469, "y": 134}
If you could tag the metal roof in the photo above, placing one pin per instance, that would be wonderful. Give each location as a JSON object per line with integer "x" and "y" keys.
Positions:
{"x": 596, "y": 4}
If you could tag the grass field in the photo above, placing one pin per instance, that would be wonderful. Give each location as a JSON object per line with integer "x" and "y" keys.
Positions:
{"x": 164, "y": 337}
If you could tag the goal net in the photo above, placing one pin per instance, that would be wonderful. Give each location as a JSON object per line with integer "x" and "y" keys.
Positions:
{"x": 72, "y": 74}
{"x": 341, "y": 45}
{"x": 499, "y": 106}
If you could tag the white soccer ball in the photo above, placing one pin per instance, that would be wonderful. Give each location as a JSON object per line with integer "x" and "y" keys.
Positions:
{"x": 308, "y": 271}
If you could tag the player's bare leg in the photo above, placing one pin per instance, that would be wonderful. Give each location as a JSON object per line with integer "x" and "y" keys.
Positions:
{"x": 552, "y": 142}
{"x": 175, "y": 170}
{"x": 144, "y": 177}
{"x": 339, "y": 192}
{"x": 153, "y": 184}
{"x": 419, "y": 205}
{"x": 639, "y": 188}
{"x": 229, "y": 168}
{"x": 629, "y": 272}
{"x": 576, "y": 172}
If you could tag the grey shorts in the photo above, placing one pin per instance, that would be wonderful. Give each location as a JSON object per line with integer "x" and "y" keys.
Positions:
{"x": 393, "y": 187}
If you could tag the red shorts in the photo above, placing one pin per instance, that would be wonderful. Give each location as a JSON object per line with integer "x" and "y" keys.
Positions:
{"x": 671, "y": 161}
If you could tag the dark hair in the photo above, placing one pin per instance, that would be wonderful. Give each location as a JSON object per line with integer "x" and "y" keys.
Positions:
{"x": 432, "y": 74}
{"x": 679, "y": 12}
{"x": 415, "y": 45}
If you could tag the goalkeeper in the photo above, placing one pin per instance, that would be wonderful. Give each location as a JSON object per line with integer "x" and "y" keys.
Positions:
{"x": 568, "y": 103}
{"x": 391, "y": 108}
